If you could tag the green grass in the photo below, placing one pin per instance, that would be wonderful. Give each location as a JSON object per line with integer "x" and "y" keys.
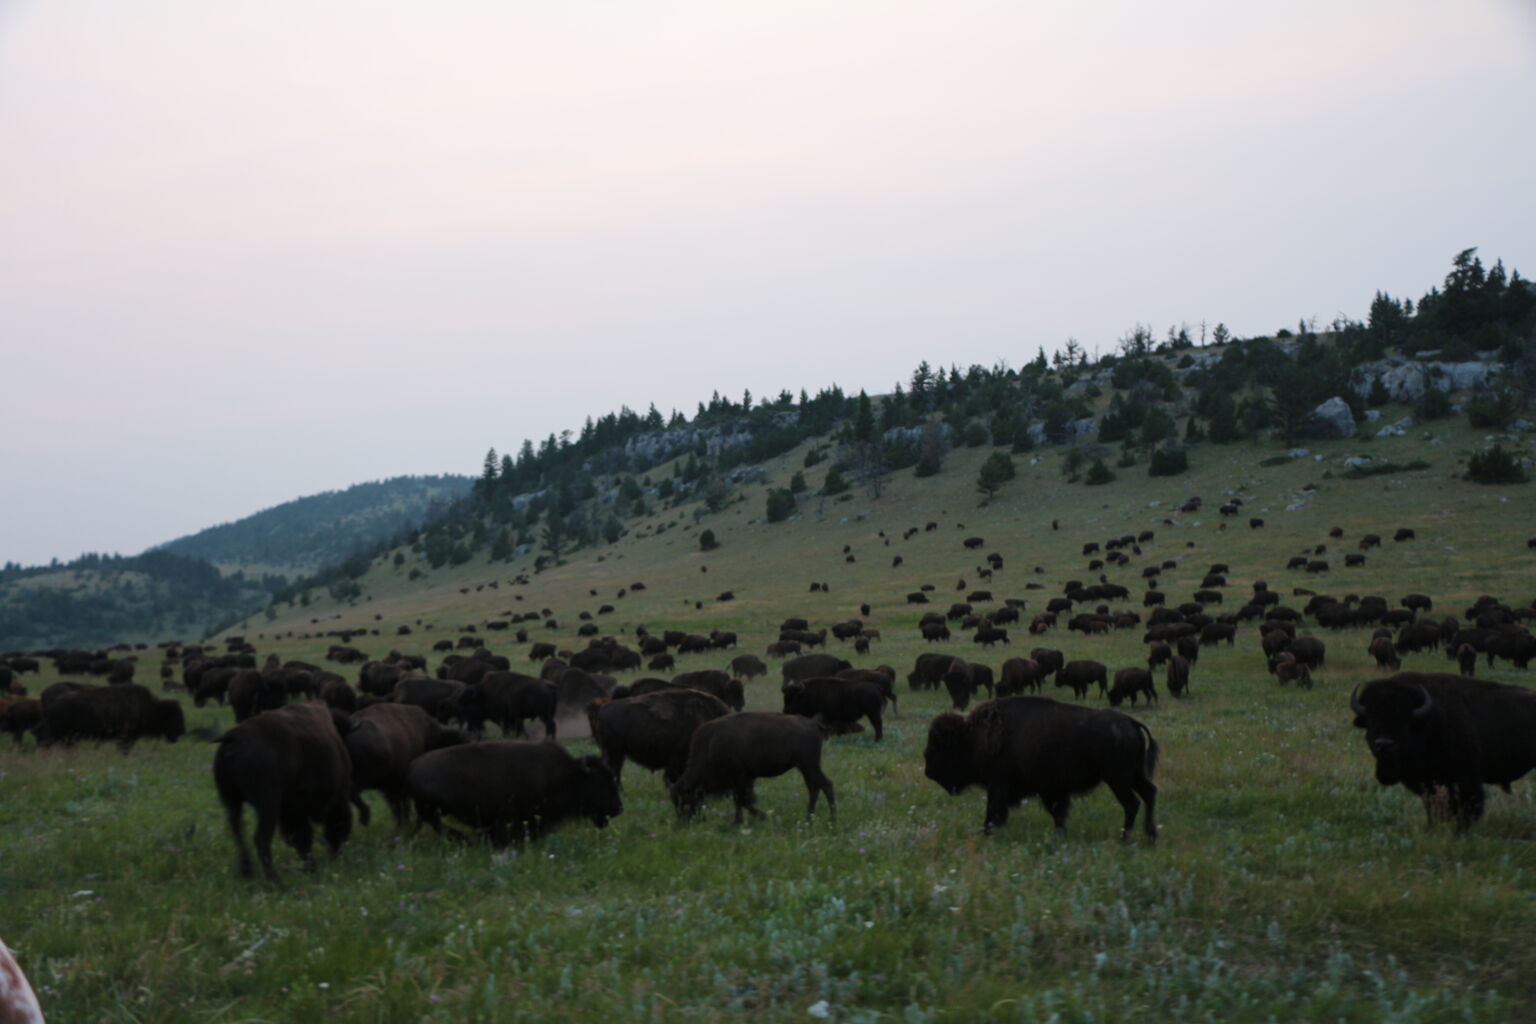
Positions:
{"x": 1286, "y": 885}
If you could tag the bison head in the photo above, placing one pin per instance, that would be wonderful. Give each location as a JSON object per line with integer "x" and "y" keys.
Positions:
{"x": 947, "y": 758}
{"x": 173, "y": 723}
{"x": 598, "y": 793}
{"x": 1395, "y": 717}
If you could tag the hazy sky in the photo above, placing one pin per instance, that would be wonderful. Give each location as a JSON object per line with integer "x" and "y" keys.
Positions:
{"x": 252, "y": 251}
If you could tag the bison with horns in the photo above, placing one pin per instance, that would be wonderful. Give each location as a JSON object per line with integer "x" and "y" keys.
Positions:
{"x": 1019, "y": 747}
{"x": 1443, "y": 737}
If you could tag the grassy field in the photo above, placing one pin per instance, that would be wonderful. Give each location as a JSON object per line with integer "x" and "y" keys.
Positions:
{"x": 1285, "y": 885}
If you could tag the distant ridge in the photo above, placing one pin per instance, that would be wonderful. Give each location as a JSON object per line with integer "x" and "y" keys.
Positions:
{"x": 323, "y": 528}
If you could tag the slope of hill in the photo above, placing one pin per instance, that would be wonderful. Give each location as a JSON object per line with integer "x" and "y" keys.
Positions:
{"x": 306, "y": 533}
{"x": 98, "y": 600}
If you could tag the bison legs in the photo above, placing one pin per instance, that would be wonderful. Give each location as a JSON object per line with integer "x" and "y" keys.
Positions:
{"x": 746, "y": 800}
{"x": 875, "y": 720}
{"x": 816, "y": 782}
{"x": 363, "y": 814}
{"x": 1131, "y": 797}
{"x": 1058, "y": 807}
{"x": 999, "y": 799}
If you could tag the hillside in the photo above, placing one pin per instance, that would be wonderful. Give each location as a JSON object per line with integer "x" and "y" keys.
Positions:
{"x": 99, "y": 600}
{"x": 319, "y": 529}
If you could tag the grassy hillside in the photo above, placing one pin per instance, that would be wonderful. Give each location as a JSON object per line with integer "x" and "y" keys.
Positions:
{"x": 1286, "y": 884}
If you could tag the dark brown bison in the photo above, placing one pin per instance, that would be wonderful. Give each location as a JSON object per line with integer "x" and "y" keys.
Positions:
{"x": 1081, "y": 674}
{"x": 652, "y": 729}
{"x": 21, "y": 714}
{"x": 124, "y": 713}
{"x": 1018, "y": 747}
{"x": 1444, "y": 737}
{"x": 252, "y": 692}
{"x": 748, "y": 666}
{"x": 1308, "y": 650}
{"x": 510, "y": 699}
{"x": 1128, "y": 683}
{"x": 1178, "y": 675}
{"x": 928, "y": 671}
{"x": 383, "y": 741}
{"x": 716, "y": 682}
{"x": 437, "y": 697}
{"x": 1018, "y": 675}
{"x": 963, "y": 679}
{"x": 512, "y": 790}
{"x": 292, "y": 767}
{"x": 727, "y": 755}
{"x": 1385, "y": 653}
{"x": 837, "y": 702}
{"x": 812, "y": 666}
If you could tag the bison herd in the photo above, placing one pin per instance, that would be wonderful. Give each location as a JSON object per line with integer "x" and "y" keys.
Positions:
{"x": 308, "y": 742}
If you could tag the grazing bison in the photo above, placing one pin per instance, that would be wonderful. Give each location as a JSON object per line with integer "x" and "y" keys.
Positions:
{"x": 1466, "y": 660}
{"x": 1178, "y": 675}
{"x": 1128, "y": 683}
{"x": 383, "y": 741}
{"x": 292, "y": 767}
{"x": 652, "y": 729}
{"x": 1385, "y": 653}
{"x": 1444, "y": 737}
{"x": 1308, "y": 650}
{"x": 748, "y": 666}
{"x": 1018, "y": 675}
{"x": 928, "y": 672}
{"x": 512, "y": 790}
{"x": 963, "y": 679}
{"x": 1080, "y": 674}
{"x": 1289, "y": 670}
{"x": 1019, "y": 747}
{"x": 728, "y": 754}
{"x": 125, "y": 713}
{"x": 541, "y": 651}
{"x": 810, "y": 666}
{"x": 837, "y": 702}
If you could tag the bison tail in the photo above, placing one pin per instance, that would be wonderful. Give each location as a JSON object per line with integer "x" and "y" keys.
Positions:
{"x": 1150, "y": 756}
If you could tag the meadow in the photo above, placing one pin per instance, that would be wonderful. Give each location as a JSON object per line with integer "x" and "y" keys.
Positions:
{"x": 1285, "y": 884}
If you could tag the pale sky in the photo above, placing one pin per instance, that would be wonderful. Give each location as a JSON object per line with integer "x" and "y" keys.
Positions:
{"x": 253, "y": 251}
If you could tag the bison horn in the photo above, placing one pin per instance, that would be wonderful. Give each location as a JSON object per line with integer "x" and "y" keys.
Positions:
{"x": 1354, "y": 702}
{"x": 1424, "y": 708}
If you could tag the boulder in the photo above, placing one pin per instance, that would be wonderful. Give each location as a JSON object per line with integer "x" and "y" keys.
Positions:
{"x": 1335, "y": 418}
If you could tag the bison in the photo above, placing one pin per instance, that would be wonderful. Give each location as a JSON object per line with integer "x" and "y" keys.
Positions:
{"x": 1128, "y": 683}
{"x": 383, "y": 741}
{"x": 652, "y": 729}
{"x": 1018, "y": 747}
{"x": 292, "y": 767}
{"x": 728, "y": 754}
{"x": 837, "y": 702}
{"x": 514, "y": 791}
{"x": 1444, "y": 737}
{"x": 1080, "y": 674}
{"x": 124, "y": 713}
